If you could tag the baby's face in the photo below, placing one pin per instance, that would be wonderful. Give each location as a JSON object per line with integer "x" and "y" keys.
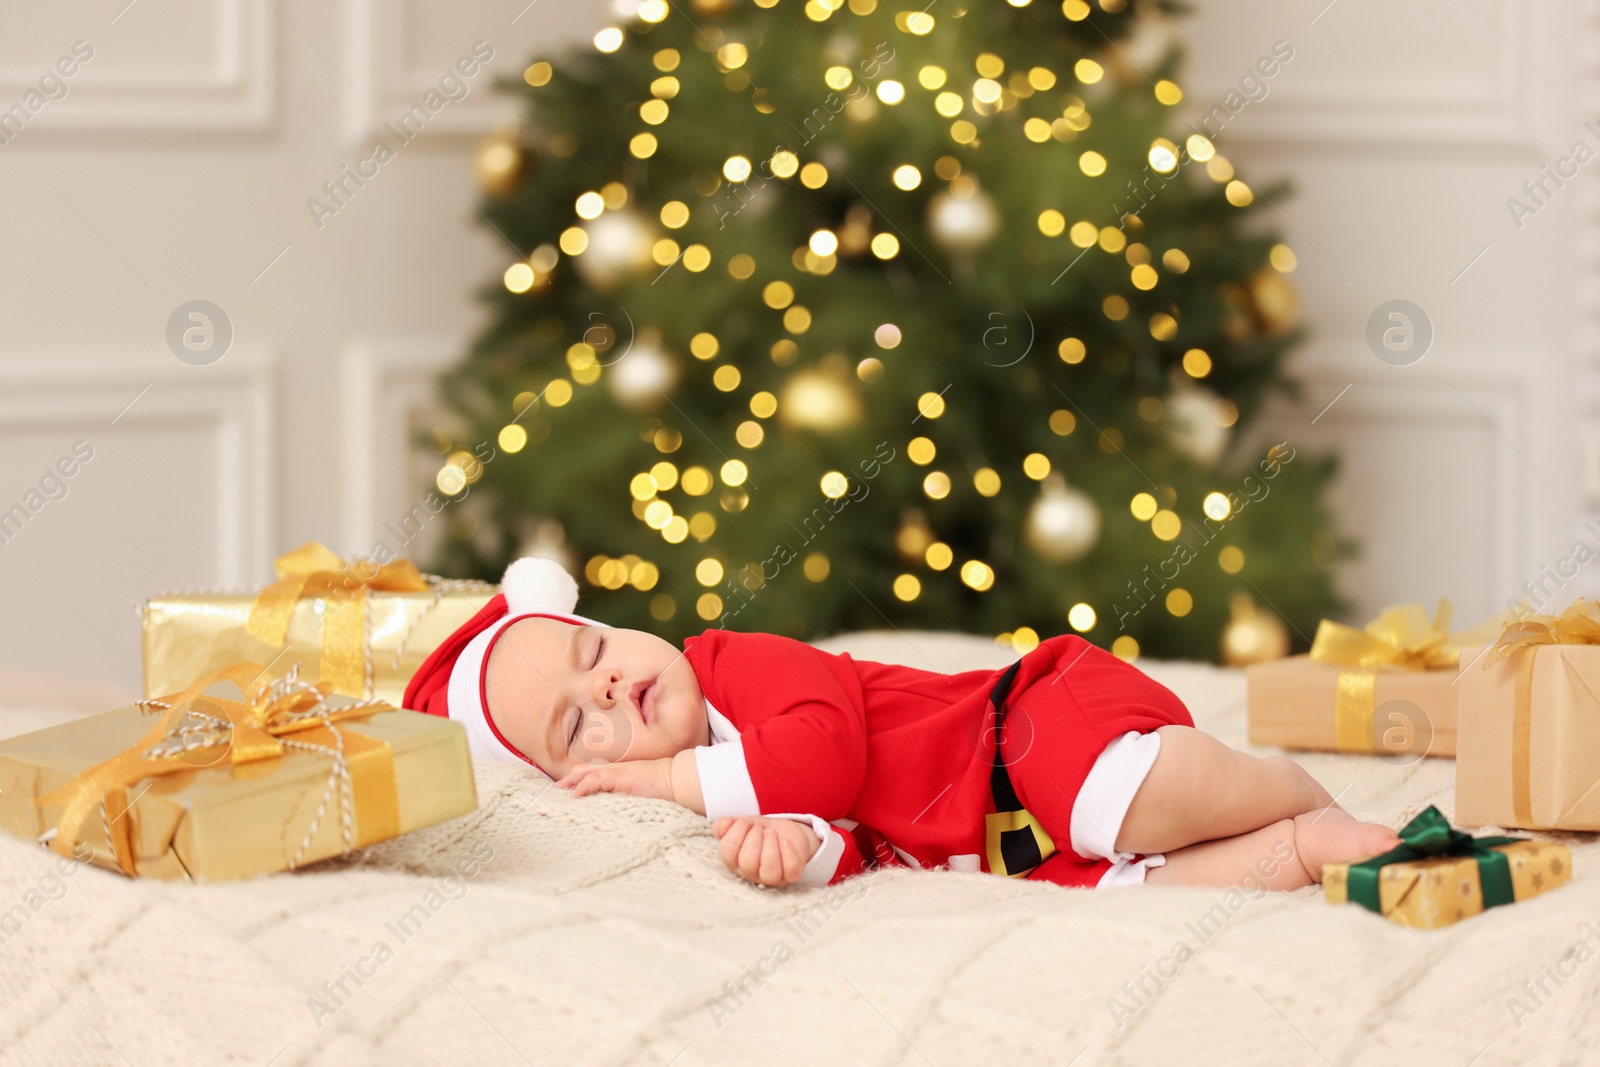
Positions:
{"x": 565, "y": 695}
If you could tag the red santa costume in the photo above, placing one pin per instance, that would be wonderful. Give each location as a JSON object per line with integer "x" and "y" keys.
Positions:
{"x": 1026, "y": 771}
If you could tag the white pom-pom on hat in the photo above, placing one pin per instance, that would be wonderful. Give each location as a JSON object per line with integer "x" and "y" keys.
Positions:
{"x": 535, "y": 585}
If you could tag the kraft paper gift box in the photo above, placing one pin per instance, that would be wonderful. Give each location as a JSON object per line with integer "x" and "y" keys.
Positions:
{"x": 1301, "y": 703}
{"x": 1387, "y": 688}
{"x": 1439, "y": 876}
{"x": 207, "y": 788}
{"x": 362, "y": 627}
{"x": 1529, "y": 742}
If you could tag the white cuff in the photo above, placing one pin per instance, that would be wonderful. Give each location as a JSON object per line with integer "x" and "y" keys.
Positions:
{"x": 725, "y": 784}
{"x": 1107, "y": 792}
{"x": 824, "y": 862}
{"x": 1130, "y": 872}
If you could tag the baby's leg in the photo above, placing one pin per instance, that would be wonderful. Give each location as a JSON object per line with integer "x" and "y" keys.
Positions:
{"x": 1288, "y": 854}
{"x": 1199, "y": 789}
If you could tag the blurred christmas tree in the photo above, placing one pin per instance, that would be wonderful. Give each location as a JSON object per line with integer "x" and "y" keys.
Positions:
{"x": 841, "y": 315}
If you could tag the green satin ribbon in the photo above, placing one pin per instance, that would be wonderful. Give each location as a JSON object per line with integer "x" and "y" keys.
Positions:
{"x": 1427, "y": 836}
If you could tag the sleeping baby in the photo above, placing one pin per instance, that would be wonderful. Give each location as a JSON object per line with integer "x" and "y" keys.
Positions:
{"x": 1069, "y": 766}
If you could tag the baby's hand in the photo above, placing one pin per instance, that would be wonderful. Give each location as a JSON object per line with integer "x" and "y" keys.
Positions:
{"x": 765, "y": 851}
{"x": 641, "y": 778}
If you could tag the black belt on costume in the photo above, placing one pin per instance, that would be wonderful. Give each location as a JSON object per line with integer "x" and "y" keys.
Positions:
{"x": 1014, "y": 840}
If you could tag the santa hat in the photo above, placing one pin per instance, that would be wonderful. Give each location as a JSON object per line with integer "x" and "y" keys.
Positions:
{"x": 451, "y": 682}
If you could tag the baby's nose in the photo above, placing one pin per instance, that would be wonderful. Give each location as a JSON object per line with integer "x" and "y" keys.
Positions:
{"x": 610, "y": 686}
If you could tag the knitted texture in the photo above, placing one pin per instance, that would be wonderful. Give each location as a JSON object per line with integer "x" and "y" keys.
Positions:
{"x": 605, "y": 930}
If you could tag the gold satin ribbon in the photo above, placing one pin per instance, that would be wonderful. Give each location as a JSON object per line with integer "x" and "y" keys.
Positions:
{"x": 1401, "y": 637}
{"x": 1579, "y": 624}
{"x": 314, "y": 570}
{"x": 271, "y": 716}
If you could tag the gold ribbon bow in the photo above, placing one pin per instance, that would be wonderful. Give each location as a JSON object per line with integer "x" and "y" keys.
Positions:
{"x": 1521, "y": 636}
{"x": 1402, "y": 638}
{"x": 273, "y": 715}
{"x": 313, "y": 570}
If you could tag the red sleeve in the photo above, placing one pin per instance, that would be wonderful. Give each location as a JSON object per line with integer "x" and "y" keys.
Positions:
{"x": 864, "y": 849}
{"x": 801, "y": 718}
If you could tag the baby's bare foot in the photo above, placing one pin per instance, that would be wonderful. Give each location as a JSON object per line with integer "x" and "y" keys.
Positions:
{"x": 1315, "y": 795}
{"x": 1333, "y": 835}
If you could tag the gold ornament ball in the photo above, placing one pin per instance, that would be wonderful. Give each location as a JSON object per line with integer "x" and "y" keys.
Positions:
{"x": 855, "y": 236}
{"x": 1252, "y": 635}
{"x": 816, "y": 400}
{"x": 1276, "y": 302}
{"x": 1064, "y": 523}
{"x": 498, "y": 163}
{"x": 911, "y": 541}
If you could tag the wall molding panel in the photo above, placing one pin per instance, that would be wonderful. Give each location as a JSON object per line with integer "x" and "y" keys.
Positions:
{"x": 230, "y": 403}
{"x": 236, "y": 91}
{"x": 1409, "y": 106}
{"x": 387, "y": 385}
{"x": 1493, "y": 404}
{"x": 388, "y": 82}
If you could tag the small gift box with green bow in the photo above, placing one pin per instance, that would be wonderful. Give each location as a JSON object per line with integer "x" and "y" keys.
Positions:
{"x": 1439, "y": 875}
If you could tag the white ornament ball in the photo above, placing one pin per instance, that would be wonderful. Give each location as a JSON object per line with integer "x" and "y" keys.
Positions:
{"x": 642, "y": 376}
{"x": 1195, "y": 424}
{"x": 1064, "y": 523}
{"x": 619, "y": 245}
{"x": 963, "y": 224}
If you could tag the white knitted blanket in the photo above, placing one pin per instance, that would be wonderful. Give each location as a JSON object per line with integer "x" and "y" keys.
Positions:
{"x": 605, "y": 930}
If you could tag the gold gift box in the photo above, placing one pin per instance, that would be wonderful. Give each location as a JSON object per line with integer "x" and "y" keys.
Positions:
{"x": 1560, "y": 754}
{"x": 1294, "y": 702}
{"x": 189, "y": 635}
{"x": 1435, "y": 892}
{"x": 230, "y": 820}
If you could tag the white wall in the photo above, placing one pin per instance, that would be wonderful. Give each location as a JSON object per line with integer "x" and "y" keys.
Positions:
{"x": 1406, "y": 128}
{"x": 179, "y": 164}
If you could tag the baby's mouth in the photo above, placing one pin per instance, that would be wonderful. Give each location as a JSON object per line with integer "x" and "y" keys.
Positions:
{"x": 644, "y": 697}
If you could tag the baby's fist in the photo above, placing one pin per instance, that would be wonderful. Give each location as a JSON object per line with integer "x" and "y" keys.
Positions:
{"x": 770, "y": 852}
